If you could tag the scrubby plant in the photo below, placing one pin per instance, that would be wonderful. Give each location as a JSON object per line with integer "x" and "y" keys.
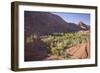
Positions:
{"x": 59, "y": 42}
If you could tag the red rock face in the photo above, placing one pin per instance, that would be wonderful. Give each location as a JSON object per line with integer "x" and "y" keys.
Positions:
{"x": 80, "y": 51}
{"x": 83, "y": 26}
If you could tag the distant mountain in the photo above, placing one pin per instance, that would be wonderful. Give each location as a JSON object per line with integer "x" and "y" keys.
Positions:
{"x": 83, "y": 26}
{"x": 44, "y": 23}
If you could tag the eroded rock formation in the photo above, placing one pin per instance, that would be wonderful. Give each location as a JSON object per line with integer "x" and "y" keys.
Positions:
{"x": 80, "y": 51}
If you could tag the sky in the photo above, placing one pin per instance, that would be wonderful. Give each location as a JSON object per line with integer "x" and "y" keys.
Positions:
{"x": 74, "y": 17}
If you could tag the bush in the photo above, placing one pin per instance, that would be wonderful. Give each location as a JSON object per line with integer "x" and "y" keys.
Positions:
{"x": 57, "y": 43}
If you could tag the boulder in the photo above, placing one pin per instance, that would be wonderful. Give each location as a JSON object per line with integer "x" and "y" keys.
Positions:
{"x": 80, "y": 51}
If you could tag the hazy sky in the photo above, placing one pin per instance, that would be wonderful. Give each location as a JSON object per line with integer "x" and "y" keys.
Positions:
{"x": 75, "y": 17}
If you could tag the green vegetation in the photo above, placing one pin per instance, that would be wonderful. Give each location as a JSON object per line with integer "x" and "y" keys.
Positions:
{"x": 58, "y": 42}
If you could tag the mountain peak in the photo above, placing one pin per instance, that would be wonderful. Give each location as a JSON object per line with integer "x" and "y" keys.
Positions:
{"x": 83, "y": 26}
